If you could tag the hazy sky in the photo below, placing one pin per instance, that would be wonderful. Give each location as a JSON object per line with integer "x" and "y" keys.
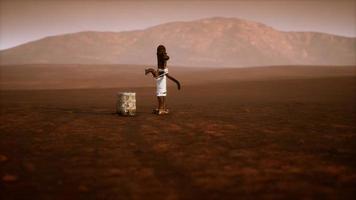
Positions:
{"x": 26, "y": 20}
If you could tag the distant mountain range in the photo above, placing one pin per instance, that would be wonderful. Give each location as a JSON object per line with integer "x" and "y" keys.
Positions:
{"x": 221, "y": 42}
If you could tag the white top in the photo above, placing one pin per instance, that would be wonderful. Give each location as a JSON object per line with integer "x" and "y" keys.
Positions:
{"x": 165, "y": 71}
{"x": 161, "y": 83}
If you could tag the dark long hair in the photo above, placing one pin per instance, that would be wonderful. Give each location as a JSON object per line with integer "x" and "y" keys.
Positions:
{"x": 162, "y": 56}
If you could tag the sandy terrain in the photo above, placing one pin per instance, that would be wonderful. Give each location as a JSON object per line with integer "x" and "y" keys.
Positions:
{"x": 270, "y": 133}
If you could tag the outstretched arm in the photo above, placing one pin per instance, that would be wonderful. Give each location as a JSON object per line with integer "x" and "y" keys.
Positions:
{"x": 152, "y": 71}
{"x": 174, "y": 80}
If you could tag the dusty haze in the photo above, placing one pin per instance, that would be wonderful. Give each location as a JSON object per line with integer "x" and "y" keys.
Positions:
{"x": 24, "y": 21}
{"x": 213, "y": 42}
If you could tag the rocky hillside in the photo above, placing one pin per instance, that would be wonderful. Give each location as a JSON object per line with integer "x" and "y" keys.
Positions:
{"x": 226, "y": 42}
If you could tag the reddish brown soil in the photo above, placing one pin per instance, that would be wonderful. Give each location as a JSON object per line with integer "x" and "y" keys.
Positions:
{"x": 269, "y": 139}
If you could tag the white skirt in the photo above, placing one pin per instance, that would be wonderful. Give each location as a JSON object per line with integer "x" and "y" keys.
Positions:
{"x": 161, "y": 86}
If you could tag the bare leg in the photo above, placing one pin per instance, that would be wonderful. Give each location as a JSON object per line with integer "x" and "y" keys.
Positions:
{"x": 162, "y": 109}
{"x": 159, "y": 107}
{"x": 166, "y": 111}
{"x": 164, "y": 103}
{"x": 160, "y": 103}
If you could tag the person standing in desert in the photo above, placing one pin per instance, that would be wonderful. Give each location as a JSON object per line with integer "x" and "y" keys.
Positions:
{"x": 161, "y": 75}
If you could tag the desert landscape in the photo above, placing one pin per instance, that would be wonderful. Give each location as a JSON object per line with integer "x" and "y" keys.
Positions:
{"x": 267, "y": 107}
{"x": 278, "y": 132}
